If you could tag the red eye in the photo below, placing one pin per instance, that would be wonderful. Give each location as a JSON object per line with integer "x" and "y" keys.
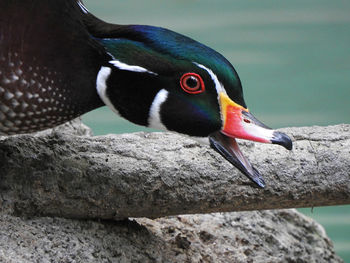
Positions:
{"x": 192, "y": 83}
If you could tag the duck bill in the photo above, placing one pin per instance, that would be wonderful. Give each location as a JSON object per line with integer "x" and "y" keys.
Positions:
{"x": 228, "y": 148}
{"x": 238, "y": 122}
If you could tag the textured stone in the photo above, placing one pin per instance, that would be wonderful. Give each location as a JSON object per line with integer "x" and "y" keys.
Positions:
{"x": 66, "y": 173}
{"x": 265, "y": 236}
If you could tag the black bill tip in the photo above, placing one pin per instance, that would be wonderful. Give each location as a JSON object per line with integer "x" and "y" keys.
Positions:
{"x": 257, "y": 178}
{"x": 282, "y": 139}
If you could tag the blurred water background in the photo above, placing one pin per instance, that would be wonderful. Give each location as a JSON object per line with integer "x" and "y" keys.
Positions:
{"x": 293, "y": 58}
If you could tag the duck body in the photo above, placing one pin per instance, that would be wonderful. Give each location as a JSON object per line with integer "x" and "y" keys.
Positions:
{"x": 58, "y": 61}
{"x": 43, "y": 80}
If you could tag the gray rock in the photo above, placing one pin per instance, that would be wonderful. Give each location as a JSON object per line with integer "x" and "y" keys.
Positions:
{"x": 66, "y": 172}
{"x": 57, "y": 173}
{"x": 265, "y": 236}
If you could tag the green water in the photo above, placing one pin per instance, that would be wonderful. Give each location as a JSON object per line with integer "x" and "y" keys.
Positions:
{"x": 293, "y": 58}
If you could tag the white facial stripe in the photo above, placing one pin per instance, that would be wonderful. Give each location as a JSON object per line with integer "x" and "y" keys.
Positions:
{"x": 123, "y": 66}
{"x": 82, "y": 7}
{"x": 101, "y": 87}
{"x": 219, "y": 87}
{"x": 154, "y": 120}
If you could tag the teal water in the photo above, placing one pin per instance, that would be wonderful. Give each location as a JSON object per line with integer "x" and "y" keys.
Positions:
{"x": 293, "y": 58}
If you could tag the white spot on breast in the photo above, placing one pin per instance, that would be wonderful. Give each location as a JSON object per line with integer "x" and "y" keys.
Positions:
{"x": 15, "y": 103}
{"x": 18, "y": 94}
{"x": 6, "y": 81}
{"x": 19, "y": 71}
{"x": 154, "y": 116}
{"x": 14, "y": 77}
{"x": 4, "y": 108}
{"x": 2, "y": 116}
{"x": 23, "y": 82}
{"x": 4, "y": 128}
{"x": 24, "y": 105}
{"x": 9, "y": 95}
{"x": 8, "y": 123}
{"x": 11, "y": 114}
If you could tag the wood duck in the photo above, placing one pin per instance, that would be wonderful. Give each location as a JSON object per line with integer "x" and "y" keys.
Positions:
{"x": 58, "y": 61}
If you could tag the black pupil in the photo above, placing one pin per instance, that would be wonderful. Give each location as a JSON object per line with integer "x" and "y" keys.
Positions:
{"x": 192, "y": 82}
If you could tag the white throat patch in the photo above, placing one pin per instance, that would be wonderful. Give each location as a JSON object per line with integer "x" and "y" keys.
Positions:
{"x": 154, "y": 119}
{"x": 101, "y": 87}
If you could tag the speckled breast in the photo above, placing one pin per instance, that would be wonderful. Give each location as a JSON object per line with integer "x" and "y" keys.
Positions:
{"x": 32, "y": 97}
{"x": 48, "y": 65}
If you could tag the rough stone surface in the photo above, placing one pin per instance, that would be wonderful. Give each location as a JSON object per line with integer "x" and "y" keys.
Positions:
{"x": 66, "y": 173}
{"x": 265, "y": 236}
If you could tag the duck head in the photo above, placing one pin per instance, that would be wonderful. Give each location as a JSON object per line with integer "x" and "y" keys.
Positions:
{"x": 161, "y": 79}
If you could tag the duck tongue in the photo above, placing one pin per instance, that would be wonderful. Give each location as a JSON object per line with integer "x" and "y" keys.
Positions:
{"x": 228, "y": 148}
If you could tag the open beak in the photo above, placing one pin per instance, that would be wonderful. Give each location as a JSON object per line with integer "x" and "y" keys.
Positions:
{"x": 238, "y": 122}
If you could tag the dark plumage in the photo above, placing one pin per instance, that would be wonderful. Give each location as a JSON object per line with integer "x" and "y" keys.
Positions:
{"x": 59, "y": 61}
